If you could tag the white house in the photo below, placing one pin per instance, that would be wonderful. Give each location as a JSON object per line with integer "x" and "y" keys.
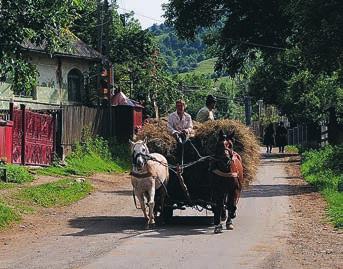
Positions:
{"x": 61, "y": 76}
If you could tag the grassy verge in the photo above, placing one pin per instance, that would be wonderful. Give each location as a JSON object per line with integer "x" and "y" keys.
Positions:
{"x": 7, "y": 215}
{"x": 291, "y": 149}
{"x": 324, "y": 169}
{"x": 4, "y": 185}
{"x": 16, "y": 174}
{"x": 90, "y": 156}
{"x": 60, "y": 193}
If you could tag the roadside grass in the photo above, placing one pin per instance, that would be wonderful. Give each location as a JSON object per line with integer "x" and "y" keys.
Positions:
{"x": 5, "y": 185}
{"x": 291, "y": 149}
{"x": 90, "y": 156}
{"x": 324, "y": 169}
{"x": 60, "y": 193}
{"x": 7, "y": 215}
{"x": 17, "y": 174}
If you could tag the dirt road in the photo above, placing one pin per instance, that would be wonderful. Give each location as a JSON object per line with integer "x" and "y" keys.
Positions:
{"x": 105, "y": 231}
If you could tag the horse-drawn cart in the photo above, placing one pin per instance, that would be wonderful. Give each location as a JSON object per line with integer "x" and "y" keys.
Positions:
{"x": 205, "y": 173}
{"x": 210, "y": 182}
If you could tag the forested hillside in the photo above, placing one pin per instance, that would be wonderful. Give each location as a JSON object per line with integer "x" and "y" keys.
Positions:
{"x": 181, "y": 55}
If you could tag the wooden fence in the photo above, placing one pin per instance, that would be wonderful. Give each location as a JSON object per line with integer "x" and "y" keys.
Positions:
{"x": 297, "y": 135}
{"x": 74, "y": 119}
{"x": 33, "y": 137}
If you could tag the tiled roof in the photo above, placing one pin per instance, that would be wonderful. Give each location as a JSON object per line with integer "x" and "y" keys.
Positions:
{"x": 75, "y": 48}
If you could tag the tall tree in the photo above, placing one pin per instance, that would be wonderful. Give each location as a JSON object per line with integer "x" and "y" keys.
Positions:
{"x": 39, "y": 22}
{"x": 240, "y": 26}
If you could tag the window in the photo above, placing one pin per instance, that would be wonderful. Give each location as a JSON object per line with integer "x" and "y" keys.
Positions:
{"x": 75, "y": 85}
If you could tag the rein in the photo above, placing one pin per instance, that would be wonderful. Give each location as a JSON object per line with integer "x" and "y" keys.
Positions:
{"x": 140, "y": 175}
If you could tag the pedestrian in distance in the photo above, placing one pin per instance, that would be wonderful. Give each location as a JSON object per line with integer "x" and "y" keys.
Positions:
{"x": 281, "y": 137}
{"x": 269, "y": 137}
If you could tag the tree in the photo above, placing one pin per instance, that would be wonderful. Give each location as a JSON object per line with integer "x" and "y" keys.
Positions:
{"x": 40, "y": 22}
{"x": 240, "y": 26}
{"x": 317, "y": 30}
{"x": 134, "y": 54}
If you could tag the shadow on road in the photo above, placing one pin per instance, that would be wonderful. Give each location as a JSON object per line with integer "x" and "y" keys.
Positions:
{"x": 134, "y": 226}
{"x": 278, "y": 155}
{"x": 121, "y": 192}
{"x": 276, "y": 190}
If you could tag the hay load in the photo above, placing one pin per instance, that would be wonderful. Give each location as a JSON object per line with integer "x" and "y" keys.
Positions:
{"x": 245, "y": 142}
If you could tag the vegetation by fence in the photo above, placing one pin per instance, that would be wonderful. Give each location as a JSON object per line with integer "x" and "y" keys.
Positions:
{"x": 73, "y": 119}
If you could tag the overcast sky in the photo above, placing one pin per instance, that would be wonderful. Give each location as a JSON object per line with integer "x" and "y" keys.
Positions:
{"x": 147, "y": 12}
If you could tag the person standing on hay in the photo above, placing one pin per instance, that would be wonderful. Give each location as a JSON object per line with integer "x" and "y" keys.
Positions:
{"x": 206, "y": 113}
{"x": 269, "y": 137}
{"x": 180, "y": 123}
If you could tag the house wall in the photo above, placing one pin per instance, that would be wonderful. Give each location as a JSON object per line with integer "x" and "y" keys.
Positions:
{"x": 50, "y": 89}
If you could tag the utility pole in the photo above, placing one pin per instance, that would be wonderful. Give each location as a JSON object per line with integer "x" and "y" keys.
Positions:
{"x": 99, "y": 47}
{"x": 100, "y": 24}
{"x": 260, "y": 106}
{"x": 247, "y": 104}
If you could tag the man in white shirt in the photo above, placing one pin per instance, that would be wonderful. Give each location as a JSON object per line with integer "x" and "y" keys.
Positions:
{"x": 179, "y": 122}
{"x": 206, "y": 113}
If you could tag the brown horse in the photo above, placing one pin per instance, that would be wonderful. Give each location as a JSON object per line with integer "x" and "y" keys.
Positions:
{"x": 227, "y": 178}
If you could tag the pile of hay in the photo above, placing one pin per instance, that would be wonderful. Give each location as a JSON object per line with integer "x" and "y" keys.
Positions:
{"x": 245, "y": 142}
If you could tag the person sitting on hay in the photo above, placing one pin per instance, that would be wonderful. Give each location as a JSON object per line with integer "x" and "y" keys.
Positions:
{"x": 206, "y": 113}
{"x": 180, "y": 123}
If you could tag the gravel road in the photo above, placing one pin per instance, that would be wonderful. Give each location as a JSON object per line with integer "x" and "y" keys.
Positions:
{"x": 104, "y": 230}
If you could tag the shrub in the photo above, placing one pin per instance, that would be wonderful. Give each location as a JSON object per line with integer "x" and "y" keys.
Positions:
{"x": 93, "y": 154}
{"x": 18, "y": 174}
{"x": 324, "y": 169}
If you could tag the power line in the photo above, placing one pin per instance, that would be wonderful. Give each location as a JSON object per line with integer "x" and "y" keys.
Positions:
{"x": 141, "y": 15}
{"x": 257, "y": 44}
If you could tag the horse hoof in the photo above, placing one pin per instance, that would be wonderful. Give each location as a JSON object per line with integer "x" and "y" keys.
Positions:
{"x": 229, "y": 226}
{"x": 218, "y": 229}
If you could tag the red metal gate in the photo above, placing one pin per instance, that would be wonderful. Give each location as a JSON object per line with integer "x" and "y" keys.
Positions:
{"x": 33, "y": 137}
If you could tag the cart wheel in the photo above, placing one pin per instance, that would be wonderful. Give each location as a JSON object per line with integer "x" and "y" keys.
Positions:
{"x": 167, "y": 214}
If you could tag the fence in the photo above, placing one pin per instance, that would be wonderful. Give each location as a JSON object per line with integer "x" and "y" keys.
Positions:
{"x": 33, "y": 137}
{"x": 297, "y": 135}
{"x": 38, "y": 135}
{"x": 74, "y": 119}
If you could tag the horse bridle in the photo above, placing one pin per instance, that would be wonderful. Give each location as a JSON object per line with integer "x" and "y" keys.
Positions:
{"x": 135, "y": 155}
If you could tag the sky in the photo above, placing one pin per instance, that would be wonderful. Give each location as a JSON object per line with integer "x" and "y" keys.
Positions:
{"x": 147, "y": 12}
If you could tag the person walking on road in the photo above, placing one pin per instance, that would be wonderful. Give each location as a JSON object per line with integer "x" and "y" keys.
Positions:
{"x": 269, "y": 137}
{"x": 281, "y": 137}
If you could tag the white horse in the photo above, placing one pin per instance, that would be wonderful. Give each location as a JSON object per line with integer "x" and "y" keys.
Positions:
{"x": 149, "y": 172}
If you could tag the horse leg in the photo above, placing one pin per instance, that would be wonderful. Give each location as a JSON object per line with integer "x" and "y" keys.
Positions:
{"x": 223, "y": 215}
{"x": 233, "y": 196}
{"x": 151, "y": 204}
{"x": 218, "y": 209}
{"x": 140, "y": 197}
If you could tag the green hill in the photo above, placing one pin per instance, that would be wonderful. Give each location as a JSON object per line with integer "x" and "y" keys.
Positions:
{"x": 205, "y": 67}
{"x": 181, "y": 55}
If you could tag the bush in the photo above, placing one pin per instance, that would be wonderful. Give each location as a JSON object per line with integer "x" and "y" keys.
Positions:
{"x": 93, "y": 154}
{"x": 324, "y": 169}
{"x": 18, "y": 174}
